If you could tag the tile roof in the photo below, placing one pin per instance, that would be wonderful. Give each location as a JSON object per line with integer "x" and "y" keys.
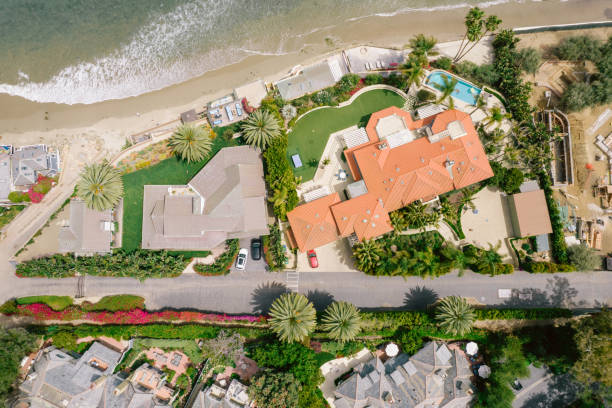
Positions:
{"x": 398, "y": 169}
{"x": 313, "y": 224}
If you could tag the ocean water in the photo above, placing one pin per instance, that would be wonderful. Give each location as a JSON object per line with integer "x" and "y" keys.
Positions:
{"x": 87, "y": 51}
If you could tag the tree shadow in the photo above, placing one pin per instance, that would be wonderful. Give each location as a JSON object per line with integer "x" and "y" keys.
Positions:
{"x": 561, "y": 391}
{"x": 562, "y": 294}
{"x": 320, "y": 299}
{"x": 558, "y": 293}
{"x": 264, "y": 295}
{"x": 419, "y": 298}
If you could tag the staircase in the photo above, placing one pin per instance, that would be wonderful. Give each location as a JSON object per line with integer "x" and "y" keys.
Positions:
{"x": 293, "y": 281}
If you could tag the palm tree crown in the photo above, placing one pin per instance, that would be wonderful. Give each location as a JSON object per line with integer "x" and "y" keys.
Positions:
{"x": 191, "y": 143}
{"x": 455, "y": 315}
{"x": 368, "y": 255}
{"x": 447, "y": 88}
{"x": 260, "y": 127}
{"x": 100, "y": 186}
{"x": 342, "y": 321}
{"x": 496, "y": 116}
{"x": 292, "y": 317}
{"x": 422, "y": 44}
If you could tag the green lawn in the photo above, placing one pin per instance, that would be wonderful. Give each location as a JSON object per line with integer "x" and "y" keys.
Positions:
{"x": 8, "y": 213}
{"x": 309, "y": 135}
{"x": 169, "y": 171}
{"x": 56, "y": 303}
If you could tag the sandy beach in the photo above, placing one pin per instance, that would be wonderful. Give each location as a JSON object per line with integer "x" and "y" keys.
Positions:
{"x": 109, "y": 123}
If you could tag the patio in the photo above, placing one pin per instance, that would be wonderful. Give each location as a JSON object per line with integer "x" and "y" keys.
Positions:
{"x": 490, "y": 222}
{"x": 333, "y": 257}
{"x": 174, "y": 360}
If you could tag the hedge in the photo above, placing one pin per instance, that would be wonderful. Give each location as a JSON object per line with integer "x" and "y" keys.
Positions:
{"x": 115, "y": 303}
{"x": 222, "y": 263}
{"x": 274, "y": 250}
{"x": 548, "y": 267}
{"x": 57, "y": 303}
{"x": 558, "y": 247}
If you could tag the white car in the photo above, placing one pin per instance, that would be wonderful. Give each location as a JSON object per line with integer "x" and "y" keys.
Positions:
{"x": 242, "y": 258}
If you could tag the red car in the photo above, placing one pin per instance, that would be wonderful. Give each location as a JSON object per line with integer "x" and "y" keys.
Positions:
{"x": 312, "y": 258}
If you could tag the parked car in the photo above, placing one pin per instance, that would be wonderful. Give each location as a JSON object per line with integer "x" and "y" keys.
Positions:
{"x": 242, "y": 258}
{"x": 312, "y": 258}
{"x": 256, "y": 249}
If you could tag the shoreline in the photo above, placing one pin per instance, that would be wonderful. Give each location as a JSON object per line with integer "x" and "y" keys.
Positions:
{"x": 22, "y": 121}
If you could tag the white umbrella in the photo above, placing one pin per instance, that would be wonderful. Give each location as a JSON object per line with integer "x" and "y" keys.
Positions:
{"x": 471, "y": 348}
{"x": 391, "y": 350}
{"x": 484, "y": 371}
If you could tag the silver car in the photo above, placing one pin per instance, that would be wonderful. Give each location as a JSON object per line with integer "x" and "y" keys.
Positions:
{"x": 242, "y": 258}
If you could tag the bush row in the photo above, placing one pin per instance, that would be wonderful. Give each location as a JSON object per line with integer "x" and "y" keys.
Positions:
{"x": 558, "y": 247}
{"x": 276, "y": 257}
{"x": 222, "y": 263}
{"x": 138, "y": 264}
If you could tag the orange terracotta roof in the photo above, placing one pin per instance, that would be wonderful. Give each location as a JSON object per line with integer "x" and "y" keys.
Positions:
{"x": 395, "y": 177}
{"x": 364, "y": 215}
{"x": 313, "y": 224}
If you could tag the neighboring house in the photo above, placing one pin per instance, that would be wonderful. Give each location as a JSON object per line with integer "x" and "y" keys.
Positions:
{"x": 313, "y": 78}
{"x": 6, "y": 184}
{"x": 216, "y": 396}
{"x": 29, "y": 162}
{"x": 59, "y": 380}
{"x": 225, "y": 200}
{"x": 529, "y": 213}
{"x": 89, "y": 231}
{"x": 436, "y": 376}
{"x": 396, "y": 161}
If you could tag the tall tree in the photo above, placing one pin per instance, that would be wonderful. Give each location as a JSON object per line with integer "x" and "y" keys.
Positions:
{"x": 368, "y": 255}
{"x": 423, "y": 45}
{"x": 476, "y": 28}
{"x": 456, "y": 258}
{"x": 14, "y": 345}
{"x": 271, "y": 389}
{"x": 292, "y": 317}
{"x": 100, "y": 186}
{"x": 496, "y": 117}
{"x": 455, "y": 315}
{"x": 490, "y": 260}
{"x": 414, "y": 71}
{"x": 342, "y": 321}
{"x": 191, "y": 143}
{"x": 260, "y": 128}
{"x": 447, "y": 88}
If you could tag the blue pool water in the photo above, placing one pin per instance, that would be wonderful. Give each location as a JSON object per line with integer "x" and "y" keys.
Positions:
{"x": 463, "y": 91}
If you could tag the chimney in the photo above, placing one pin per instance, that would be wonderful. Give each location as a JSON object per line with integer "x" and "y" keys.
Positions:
{"x": 449, "y": 166}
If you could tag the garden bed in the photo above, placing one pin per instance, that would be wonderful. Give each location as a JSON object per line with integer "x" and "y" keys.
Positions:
{"x": 7, "y": 214}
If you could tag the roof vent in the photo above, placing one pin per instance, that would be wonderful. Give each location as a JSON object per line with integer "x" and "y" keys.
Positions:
{"x": 373, "y": 225}
{"x": 422, "y": 160}
{"x": 321, "y": 228}
{"x": 368, "y": 211}
{"x": 443, "y": 147}
{"x": 308, "y": 226}
{"x": 475, "y": 157}
{"x": 391, "y": 179}
{"x": 364, "y": 221}
{"x": 430, "y": 172}
{"x": 344, "y": 218}
{"x": 317, "y": 215}
{"x": 383, "y": 146}
{"x": 397, "y": 169}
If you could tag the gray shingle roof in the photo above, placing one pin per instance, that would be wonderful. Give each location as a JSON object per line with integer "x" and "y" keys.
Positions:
{"x": 87, "y": 232}
{"x": 407, "y": 382}
{"x": 226, "y": 199}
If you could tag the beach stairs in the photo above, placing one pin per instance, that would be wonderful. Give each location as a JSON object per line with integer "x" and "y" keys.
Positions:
{"x": 293, "y": 281}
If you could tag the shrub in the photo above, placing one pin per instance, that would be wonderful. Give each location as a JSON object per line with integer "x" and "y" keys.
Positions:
{"x": 347, "y": 83}
{"x": 18, "y": 197}
{"x": 409, "y": 340}
{"x": 322, "y": 98}
{"x": 577, "y": 96}
{"x": 279, "y": 174}
{"x": 14, "y": 344}
{"x": 338, "y": 349}
{"x": 115, "y": 303}
{"x": 57, "y": 303}
{"x": 547, "y": 267}
{"x": 9, "y": 307}
{"x": 397, "y": 80}
{"x": 65, "y": 340}
{"x": 583, "y": 258}
{"x": 480, "y": 74}
{"x": 558, "y": 247}
{"x": 528, "y": 59}
{"x": 223, "y": 262}
{"x": 275, "y": 252}
{"x": 271, "y": 389}
{"x": 373, "y": 79}
{"x": 578, "y": 48}
{"x": 140, "y": 264}
{"x": 444, "y": 63}
{"x": 423, "y": 95}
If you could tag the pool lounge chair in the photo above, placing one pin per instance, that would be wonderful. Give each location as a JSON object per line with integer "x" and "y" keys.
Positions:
{"x": 217, "y": 122}
{"x": 228, "y": 110}
{"x": 238, "y": 109}
{"x": 297, "y": 162}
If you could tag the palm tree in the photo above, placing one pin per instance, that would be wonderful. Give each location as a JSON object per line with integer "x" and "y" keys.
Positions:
{"x": 191, "y": 143}
{"x": 474, "y": 24}
{"x": 489, "y": 260}
{"x": 260, "y": 128}
{"x": 415, "y": 214}
{"x": 456, "y": 258}
{"x": 292, "y": 317}
{"x": 414, "y": 71}
{"x": 100, "y": 186}
{"x": 423, "y": 45}
{"x": 455, "y": 315}
{"x": 479, "y": 104}
{"x": 425, "y": 263}
{"x": 496, "y": 116}
{"x": 368, "y": 255}
{"x": 342, "y": 321}
{"x": 447, "y": 89}
{"x": 467, "y": 198}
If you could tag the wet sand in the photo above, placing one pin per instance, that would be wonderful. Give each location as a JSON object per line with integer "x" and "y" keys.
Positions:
{"x": 110, "y": 122}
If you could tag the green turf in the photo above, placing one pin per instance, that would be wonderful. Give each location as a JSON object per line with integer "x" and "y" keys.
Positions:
{"x": 309, "y": 135}
{"x": 169, "y": 171}
{"x": 8, "y": 213}
{"x": 56, "y": 303}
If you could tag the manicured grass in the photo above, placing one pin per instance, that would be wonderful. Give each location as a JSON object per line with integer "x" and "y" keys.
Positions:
{"x": 169, "y": 171}
{"x": 117, "y": 302}
{"x": 309, "y": 135}
{"x": 56, "y": 303}
{"x": 8, "y": 213}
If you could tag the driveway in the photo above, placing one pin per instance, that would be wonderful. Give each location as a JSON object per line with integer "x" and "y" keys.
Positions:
{"x": 543, "y": 389}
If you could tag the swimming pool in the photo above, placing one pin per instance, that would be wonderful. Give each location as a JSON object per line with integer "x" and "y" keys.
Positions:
{"x": 463, "y": 91}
